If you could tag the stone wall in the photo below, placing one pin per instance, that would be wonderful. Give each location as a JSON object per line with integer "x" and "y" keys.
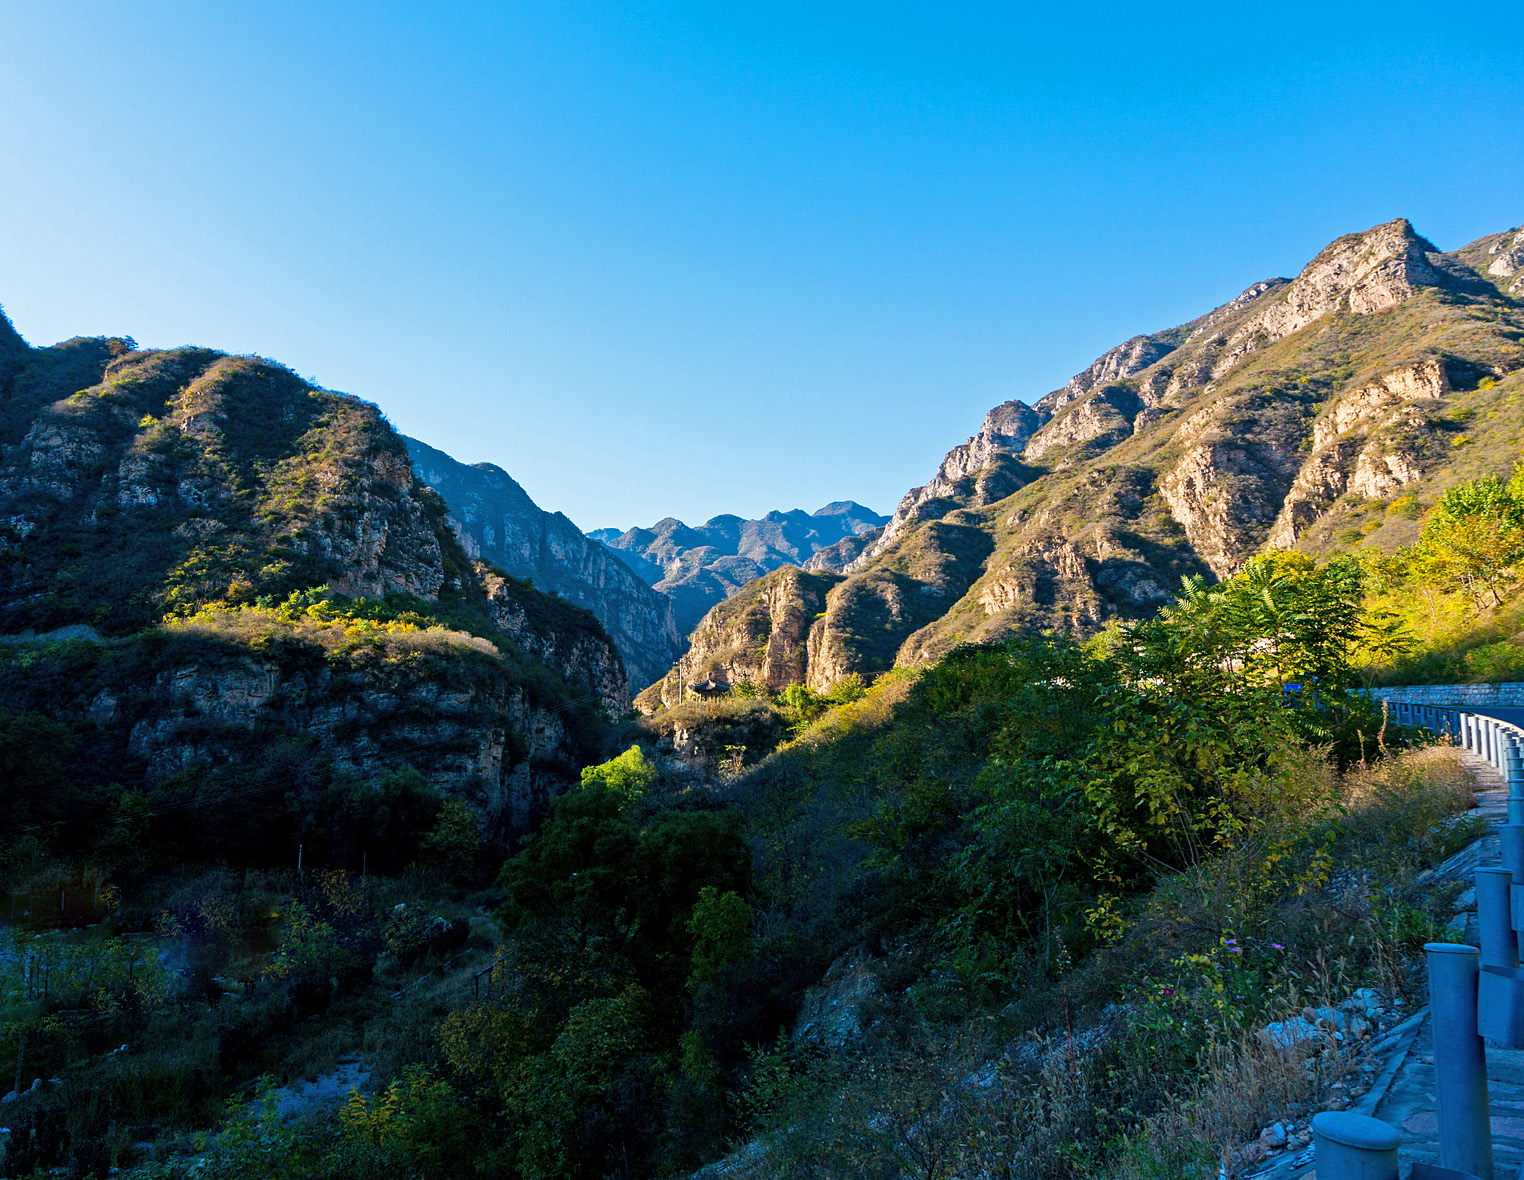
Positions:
{"x": 1476, "y": 696}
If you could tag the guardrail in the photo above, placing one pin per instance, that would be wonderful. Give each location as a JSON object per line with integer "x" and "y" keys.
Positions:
{"x": 1476, "y": 995}
{"x": 1471, "y": 728}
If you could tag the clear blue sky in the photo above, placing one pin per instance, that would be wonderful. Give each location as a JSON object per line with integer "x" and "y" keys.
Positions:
{"x": 684, "y": 259}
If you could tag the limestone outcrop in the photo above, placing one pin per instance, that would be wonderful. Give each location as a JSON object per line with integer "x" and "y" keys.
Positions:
{"x": 759, "y": 637}
{"x": 138, "y": 484}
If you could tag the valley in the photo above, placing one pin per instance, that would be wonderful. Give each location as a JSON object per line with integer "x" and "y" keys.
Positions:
{"x": 983, "y": 838}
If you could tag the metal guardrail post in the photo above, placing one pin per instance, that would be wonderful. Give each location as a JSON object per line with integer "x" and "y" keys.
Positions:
{"x": 1460, "y": 1059}
{"x": 1494, "y": 915}
{"x": 1354, "y": 1147}
{"x": 1511, "y": 845}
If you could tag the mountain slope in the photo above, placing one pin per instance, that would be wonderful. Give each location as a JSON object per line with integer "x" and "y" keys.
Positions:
{"x": 698, "y": 567}
{"x": 137, "y": 483}
{"x": 494, "y": 519}
{"x": 1296, "y": 414}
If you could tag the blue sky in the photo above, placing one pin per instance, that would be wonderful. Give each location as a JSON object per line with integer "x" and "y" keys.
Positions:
{"x": 684, "y": 259}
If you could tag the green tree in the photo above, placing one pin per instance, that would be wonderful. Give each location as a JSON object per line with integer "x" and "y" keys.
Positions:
{"x": 1474, "y": 539}
{"x": 630, "y": 774}
{"x": 454, "y": 841}
{"x": 721, "y": 927}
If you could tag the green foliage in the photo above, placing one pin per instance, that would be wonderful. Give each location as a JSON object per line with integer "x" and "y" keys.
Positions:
{"x": 630, "y": 774}
{"x": 1278, "y": 622}
{"x": 1474, "y": 540}
{"x": 721, "y": 927}
{"x": 35, "y": 754}
{"x": 615, "y": 902}
{"x": 1495, "y": 662}
{"x": 802, "y": 706}
{"x": 454, "y": 842}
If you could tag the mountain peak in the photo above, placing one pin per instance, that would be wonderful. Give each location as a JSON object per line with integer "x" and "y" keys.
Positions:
{"x": 849, "y": 508}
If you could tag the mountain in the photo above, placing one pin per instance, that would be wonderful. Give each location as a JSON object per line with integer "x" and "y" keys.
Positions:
{"x": 493, "y": 518}
{"x": 254, "y": 509}
{"x": 698, "y": 567}
{"x": 1322, "y": 413}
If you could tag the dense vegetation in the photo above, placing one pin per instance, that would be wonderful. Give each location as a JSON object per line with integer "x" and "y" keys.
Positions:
{"x": 1002, "y": 842}
{"x": 1448, "y": 604}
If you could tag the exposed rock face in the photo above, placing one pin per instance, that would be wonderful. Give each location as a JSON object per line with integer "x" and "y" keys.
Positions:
{"x": 700, "y": 567}
{"x": 834, "y": 559}
{"x": 1366, "y": 273}
{"x": 494, "y": 519}
{"x": 185, "y": 475}
{"x": 582, "y": 656}
{"x": 456, "y": 714}
{"x": 1107, "y": 417}
{"x": 1501, "y": 258}
{"x": 990, "y": 461}
{"x": 1121, "y": 362}
{"x": 1287, "y": 416}
{"x": 758, "y": 637}
{"x": 1366, "y": 443}
{"x": 1225, "y": 492}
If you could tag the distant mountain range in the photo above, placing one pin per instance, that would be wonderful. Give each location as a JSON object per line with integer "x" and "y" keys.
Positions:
{"x": 648, "y": 587}
{"x": 494, "y": 519}
{"x": 698, "y": 567}
{"x": 1322, "y": 412}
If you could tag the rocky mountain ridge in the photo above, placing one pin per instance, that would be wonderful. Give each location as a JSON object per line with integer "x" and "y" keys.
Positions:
{"x": 494, "y": 519}
{"x": 701, "y": 566}
{"x": 1322, "y": 412}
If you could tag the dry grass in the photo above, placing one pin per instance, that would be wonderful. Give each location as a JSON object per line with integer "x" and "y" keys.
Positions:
{"x": 1321, "y": 900}
{"x": 1245, "y": 1084}
{"x": 1405, "y": 813}
{"x": 255, "y": 626}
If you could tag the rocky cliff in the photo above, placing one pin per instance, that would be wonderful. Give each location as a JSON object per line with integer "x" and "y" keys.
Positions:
{"x": 249, "y": 703}
{"x": 494, "y": 519}
{"x": 698, "y": 567}
{"x": 1319, "y": 412}
{"x": 758, "y": 637}
{"x": 137, "y": 483}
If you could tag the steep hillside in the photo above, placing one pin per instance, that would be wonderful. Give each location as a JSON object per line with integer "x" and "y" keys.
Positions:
{"x": 1316, "y": 413}
{"x": 700, "y": 567}
{"x": 759, "y": 636}
{"x": 321, "y": 596}
{"x": 494, "y": 519}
